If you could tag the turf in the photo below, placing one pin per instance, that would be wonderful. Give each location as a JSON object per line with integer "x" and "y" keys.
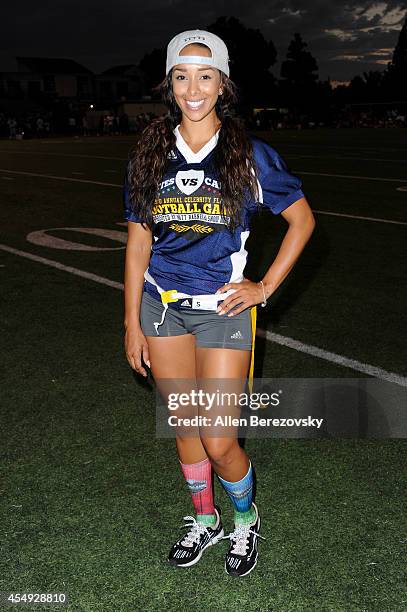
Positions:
{"x": 91, "y": 500}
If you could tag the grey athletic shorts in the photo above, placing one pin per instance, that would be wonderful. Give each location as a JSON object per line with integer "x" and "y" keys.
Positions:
{"x": 210, "y": 329}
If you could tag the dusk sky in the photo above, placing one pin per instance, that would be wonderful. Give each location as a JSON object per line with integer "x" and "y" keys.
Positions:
{"x": 346, "y": 38}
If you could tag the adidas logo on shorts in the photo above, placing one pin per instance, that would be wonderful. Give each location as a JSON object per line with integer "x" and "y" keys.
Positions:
{"x": 237, "y": 335}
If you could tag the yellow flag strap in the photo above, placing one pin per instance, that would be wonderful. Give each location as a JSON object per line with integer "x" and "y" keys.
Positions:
{"x": 253, "y": 316}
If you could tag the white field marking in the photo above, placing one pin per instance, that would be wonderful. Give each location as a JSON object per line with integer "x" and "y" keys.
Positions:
{"x": 124, "y": 140}
{"x": 335, "y": 214}
{"x": 288, "y": 155}
{"x": 315, "y": 351}
{"x": 346, "y": 176}
{"x": 352, "y": 176}
{"x": 75, "y": 180}
{"x": 7, "y": 178}
{"x": 63, "y": 154}
{"x": 342, "y": 148}
{"x": 60, "y": 266}
{"x": 365, "y": 368}
{"x": 349, "y": 176}
{"x": 43, "y": 238}
{"x": 378, "y": 159}
{"x": 401, "y": 188}
{"x": 61, "y": 178}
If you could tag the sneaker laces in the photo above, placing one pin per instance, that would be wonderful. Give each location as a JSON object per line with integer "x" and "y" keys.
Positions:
{"x": 195, "y": 532}
{"x": 240, "y": 537}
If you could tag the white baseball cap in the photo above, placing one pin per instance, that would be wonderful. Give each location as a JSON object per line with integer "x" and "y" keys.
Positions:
{"x": 217, "y": 47}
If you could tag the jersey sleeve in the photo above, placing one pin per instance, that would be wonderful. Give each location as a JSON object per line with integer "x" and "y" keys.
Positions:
{"x": 129, "y": 213}
{"x": 278, "y": 188}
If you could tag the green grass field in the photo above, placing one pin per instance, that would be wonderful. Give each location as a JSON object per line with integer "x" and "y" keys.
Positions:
{"x": 91, "y": 499}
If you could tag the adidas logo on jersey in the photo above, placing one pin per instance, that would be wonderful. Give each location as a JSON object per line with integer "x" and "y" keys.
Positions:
{"x": 186, "y": 303}
{"x": 172, "y": 155}
{"x": 237, "y": 335}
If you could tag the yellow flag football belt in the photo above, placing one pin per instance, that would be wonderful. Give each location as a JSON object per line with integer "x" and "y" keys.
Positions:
{"x": 202, "y": 302}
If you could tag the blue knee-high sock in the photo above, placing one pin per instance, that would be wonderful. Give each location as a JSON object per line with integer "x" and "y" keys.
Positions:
{"x": 241, "y": 496}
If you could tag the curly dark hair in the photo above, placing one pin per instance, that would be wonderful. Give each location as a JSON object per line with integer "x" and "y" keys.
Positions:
{"x": 233, "y": 156}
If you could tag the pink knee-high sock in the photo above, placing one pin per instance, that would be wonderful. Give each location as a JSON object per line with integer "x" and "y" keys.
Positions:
{"x": 199, "y": 481}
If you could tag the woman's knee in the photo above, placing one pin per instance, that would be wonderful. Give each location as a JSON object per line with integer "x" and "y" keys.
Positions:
{"x": 221, "y": 452}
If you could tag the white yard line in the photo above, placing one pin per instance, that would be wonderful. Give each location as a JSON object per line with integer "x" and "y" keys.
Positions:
{"x": 76, "y": 180}
{"x": 346, "y": 176}
{"x": 328, "y": 156}
{"x": 353, "y": 176}
{"x": 335, "y": 214}
{"x": 59, "y": 266}
{"x": 340, "y": 148}
{"x": 60, "y": 178}
{"x": 315, "y": 351}
{"x": 287, "y": 156}
{"x": 76, "y": 155}
{"x": 301, "y": 347}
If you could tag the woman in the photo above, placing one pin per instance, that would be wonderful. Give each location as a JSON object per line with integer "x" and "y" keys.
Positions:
{"x": 191, "y": 188}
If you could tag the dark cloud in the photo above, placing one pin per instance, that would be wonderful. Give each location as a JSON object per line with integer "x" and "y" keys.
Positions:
{"x": 344, "y": 37}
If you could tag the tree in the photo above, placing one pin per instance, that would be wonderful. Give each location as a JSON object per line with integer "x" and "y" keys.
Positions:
{"x": 399, "y": 61}
{"x": 300, "y": 66}
{"x": 251, "y": 59}
{"x": 395, "y": 78}
{"x": 357, "y": 89}
{"x": 152, "y": 65}
{"x": 298, "y": 83}
{"x": 374, "y": 80}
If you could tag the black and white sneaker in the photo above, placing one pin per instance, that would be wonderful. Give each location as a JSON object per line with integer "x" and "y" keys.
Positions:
{"x": 241, "y": 558}
{"x": 188, "y": 550}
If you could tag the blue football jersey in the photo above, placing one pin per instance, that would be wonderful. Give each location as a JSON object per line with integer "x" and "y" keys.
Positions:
{"x": 193, "y": 251}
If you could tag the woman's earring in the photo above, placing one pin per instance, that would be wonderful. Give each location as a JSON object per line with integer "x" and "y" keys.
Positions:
{"x": 220, "y": 92}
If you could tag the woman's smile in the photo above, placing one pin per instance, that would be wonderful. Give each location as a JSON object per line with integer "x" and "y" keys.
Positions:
{"x": 194, "y": 104}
